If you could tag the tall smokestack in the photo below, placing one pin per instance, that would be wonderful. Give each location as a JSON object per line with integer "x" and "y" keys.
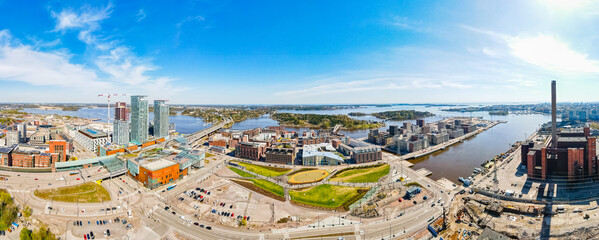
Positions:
{"x": 553, "y": 117}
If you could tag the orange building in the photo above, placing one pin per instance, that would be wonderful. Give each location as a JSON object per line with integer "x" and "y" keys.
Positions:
{"x": 60, "y": 147}
{"x": 156, "y": 172}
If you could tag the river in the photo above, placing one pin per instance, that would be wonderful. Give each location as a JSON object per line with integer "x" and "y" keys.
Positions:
{"x": 457, "y": 160}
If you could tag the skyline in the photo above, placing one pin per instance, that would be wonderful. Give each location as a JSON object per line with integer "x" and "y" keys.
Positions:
{"x": 278, "y": 53}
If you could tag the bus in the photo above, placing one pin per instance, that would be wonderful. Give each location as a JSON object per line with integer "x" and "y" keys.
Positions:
{"x": 171, "y": 187}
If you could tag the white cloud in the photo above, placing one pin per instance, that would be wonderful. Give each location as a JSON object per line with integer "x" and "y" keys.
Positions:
{"x": 141, "y": 14}
{"x": 121, "y": 65}
{"x": 374, "y": 84}
{"x": 23, "y": 63}
{"x": 551, "y": 53}
{"x": 86, "y": 18}
{"x": 544, "y": 51}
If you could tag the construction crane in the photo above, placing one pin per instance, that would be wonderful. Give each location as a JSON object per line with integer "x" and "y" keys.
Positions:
{"x": 107, "y": 96}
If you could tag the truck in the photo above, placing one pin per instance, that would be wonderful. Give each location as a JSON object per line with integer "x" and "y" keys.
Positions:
{"x": 171, "y": 187}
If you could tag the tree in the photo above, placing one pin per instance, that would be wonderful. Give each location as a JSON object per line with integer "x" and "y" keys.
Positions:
{"x": 43, "y": 233}
{"x": 27, "y": 212}
{"x": 25, "y": 234}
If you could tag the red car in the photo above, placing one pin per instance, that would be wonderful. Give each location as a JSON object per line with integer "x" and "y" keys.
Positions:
{"x": 399, "y": 200}
{"x": 78, "y": 178}
{"x": 36, "y": 179}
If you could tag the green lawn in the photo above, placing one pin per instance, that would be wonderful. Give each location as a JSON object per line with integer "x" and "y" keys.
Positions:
{"x": 370, "y": 174}
{"x": 84, "y": 193}
{"x": 208, "y": 155}
{"x": 329, "y": 196}
{"x": 269, "y": 186}
{"x": 264, "y": 170}
{"x": 241, "y": 173}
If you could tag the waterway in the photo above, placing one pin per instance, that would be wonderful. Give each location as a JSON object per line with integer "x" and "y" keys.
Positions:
{"x": 451, "y": 163}
{"x": 456, "y": 161}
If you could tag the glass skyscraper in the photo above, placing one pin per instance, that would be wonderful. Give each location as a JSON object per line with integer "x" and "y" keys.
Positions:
{"x": 139, "y": 119}
{"x": 161, "y": 113}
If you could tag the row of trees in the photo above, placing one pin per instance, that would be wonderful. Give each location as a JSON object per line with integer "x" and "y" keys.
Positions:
{"x": 217, "y": 115}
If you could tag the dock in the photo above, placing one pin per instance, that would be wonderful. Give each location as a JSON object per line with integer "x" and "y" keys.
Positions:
{"x": 424, "y": 172}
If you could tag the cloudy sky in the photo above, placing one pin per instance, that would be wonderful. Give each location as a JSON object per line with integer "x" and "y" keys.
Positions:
{"x": 299, "y": 52}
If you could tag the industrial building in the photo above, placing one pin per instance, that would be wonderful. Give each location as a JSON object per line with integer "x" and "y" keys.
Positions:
{"x": 570, "y": 154}
{"x": 156, "y": 172}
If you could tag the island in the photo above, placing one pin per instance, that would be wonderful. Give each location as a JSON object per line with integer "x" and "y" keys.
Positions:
{"x": 214, "y": 115}
{"x": 323, "y": 121}
{"x": 401, "y": 115}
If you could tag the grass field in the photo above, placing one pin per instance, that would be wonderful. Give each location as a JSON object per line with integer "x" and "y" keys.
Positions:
{"x": 370, "y": 174}
{"x": 308, "y": 176}
{"x": 241, "y": 173}
{"x": 269, "y": 186}
{"x": 328, "y": 196}
{"x": 208, "y": 155}
{"x": 84, "y": 193}
{"x": 264, "y": 170}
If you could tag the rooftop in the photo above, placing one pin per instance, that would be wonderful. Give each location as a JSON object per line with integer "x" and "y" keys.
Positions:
{"x": 93, "y": 133}
{"x": 157, "y": 164}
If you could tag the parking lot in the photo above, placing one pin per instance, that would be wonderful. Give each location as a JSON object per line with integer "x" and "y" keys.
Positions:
{"x": 100, "y": 228}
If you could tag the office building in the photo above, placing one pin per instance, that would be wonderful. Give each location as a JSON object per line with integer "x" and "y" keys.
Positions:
{"x": 153, "y": 173}
{"x": 393, "y": 130}
{"x": 321, "y": 154}
{"x": 161, "y": 119}
{"x": 139, "y": 119}
{"x": 420, "y": 122}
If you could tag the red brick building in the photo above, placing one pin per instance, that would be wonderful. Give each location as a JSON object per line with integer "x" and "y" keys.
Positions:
{"x": 250, "y": 150}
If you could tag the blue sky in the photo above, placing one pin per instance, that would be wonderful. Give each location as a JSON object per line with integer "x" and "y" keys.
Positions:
{"x": 299, "y": 52}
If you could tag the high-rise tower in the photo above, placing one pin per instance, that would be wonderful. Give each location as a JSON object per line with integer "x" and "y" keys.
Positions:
{"x": 120, "y": 126}
{"x": 139, "y": 119}
{"x": 161, "y": 113}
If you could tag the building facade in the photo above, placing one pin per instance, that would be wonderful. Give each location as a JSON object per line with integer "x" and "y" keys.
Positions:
{"x": 280, "y": 155}
{"x": 161, "y": 118}
{"x": 90, "y": 139}
{"x": 121, "y": 112}
{"x": 139, "y": 119}
{"x": 250, "y": 150}
{"x": 120, "y": 133}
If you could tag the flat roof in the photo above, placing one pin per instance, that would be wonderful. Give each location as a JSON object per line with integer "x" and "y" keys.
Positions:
{"x": 83, "y": 162}
{"x": 571, "y": 139}
{"x": 93, "y": 133}
{"x": 157, "y": 164}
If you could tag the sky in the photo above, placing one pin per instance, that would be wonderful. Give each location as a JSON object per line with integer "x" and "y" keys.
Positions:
{"x": 299, "y": 52}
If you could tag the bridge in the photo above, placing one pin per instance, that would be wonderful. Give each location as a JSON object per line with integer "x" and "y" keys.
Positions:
{"x": 192, "y": 137}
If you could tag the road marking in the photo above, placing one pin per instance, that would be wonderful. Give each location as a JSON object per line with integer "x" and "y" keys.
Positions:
{"x": 261, "y": 237}
{"x": 286, "y": 235}
{"x": 357, "y": 231}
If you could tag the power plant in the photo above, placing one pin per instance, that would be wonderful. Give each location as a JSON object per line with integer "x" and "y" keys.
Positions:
{"x": 569, "y": 155}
